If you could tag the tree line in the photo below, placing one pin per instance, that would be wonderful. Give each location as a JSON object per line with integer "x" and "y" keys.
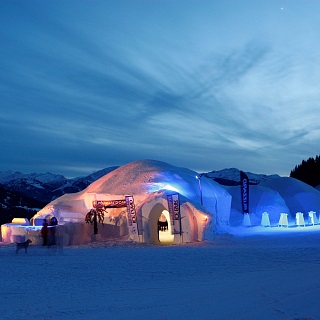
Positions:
{"x": 308, "y": 171}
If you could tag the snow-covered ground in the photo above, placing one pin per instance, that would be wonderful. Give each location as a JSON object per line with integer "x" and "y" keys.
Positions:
{"x": 266, "y": 276}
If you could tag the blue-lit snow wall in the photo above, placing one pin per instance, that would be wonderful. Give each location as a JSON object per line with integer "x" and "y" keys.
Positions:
{"x": 215, "y": 199}
{"x": 262, "y": 199}
{"x": 186, "y": 185}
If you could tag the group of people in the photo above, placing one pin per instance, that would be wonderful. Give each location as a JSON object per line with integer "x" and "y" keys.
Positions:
{"x": 162, "y": 225}
{"x": 48, "y": 231}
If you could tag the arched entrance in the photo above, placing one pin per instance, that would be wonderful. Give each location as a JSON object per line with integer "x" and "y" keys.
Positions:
{"x": 160, "y": 225}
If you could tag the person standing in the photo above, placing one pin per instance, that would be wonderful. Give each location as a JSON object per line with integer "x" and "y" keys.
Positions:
{"x": 52, "y": 231}
{"x": 44, "y": 232}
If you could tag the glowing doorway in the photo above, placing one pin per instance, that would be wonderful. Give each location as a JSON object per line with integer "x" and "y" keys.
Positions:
{"x": 164, "y": 228}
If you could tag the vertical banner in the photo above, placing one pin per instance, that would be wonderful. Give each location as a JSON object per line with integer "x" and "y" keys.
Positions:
{"x": 244, "y": 185}
{"x": 174, "y": 210}
{"x": 132, "y": 216}
{"x": 170, "y": 207}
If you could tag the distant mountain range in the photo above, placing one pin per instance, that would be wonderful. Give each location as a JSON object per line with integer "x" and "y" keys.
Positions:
{"x": 231, "y": 177}
{"x": 21, "y": 195}
{"x": 46, "y": 187}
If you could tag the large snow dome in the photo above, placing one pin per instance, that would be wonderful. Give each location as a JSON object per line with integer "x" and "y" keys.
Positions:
{"x": 203, "y": 205}
{"x": 299, "y": 196}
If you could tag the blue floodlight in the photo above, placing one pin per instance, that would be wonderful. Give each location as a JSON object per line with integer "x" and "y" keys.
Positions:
{"x": 200, "y": 187}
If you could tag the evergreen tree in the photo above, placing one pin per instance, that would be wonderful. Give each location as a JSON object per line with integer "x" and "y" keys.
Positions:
{"x": 308, "y": 171}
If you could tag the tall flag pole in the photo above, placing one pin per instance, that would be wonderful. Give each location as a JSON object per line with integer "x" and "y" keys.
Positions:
{"x": 244, "y": 185}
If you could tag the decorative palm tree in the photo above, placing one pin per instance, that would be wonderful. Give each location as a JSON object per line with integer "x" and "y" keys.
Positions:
{"x": 96, "y": 215}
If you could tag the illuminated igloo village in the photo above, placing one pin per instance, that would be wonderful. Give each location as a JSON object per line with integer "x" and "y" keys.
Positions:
{"x": 154, "y": 202}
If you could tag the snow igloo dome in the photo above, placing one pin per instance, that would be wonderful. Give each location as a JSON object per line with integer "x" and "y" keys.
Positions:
{"x": 145, "y": 201}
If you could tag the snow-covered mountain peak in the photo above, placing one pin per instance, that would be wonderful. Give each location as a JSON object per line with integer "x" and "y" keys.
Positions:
{"x": 48, "y": 177}
{"x": 7, "y": 176}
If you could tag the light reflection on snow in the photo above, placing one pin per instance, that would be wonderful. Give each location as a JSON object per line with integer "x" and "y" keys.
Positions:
{"x": 157, "y": 186}
{"x": 273, "y": 230}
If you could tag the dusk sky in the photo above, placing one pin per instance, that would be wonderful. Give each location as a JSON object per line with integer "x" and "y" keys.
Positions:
{"x": 206, "y": 85}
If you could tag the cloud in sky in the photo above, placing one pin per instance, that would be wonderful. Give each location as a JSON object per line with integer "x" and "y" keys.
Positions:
{"x": 201, "y": 84}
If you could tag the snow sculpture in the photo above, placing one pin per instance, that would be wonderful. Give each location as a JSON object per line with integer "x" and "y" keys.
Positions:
{"x": 283, "y": 221}
{"x": 300, "y": 219}
{"x": 265, "y": 220}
